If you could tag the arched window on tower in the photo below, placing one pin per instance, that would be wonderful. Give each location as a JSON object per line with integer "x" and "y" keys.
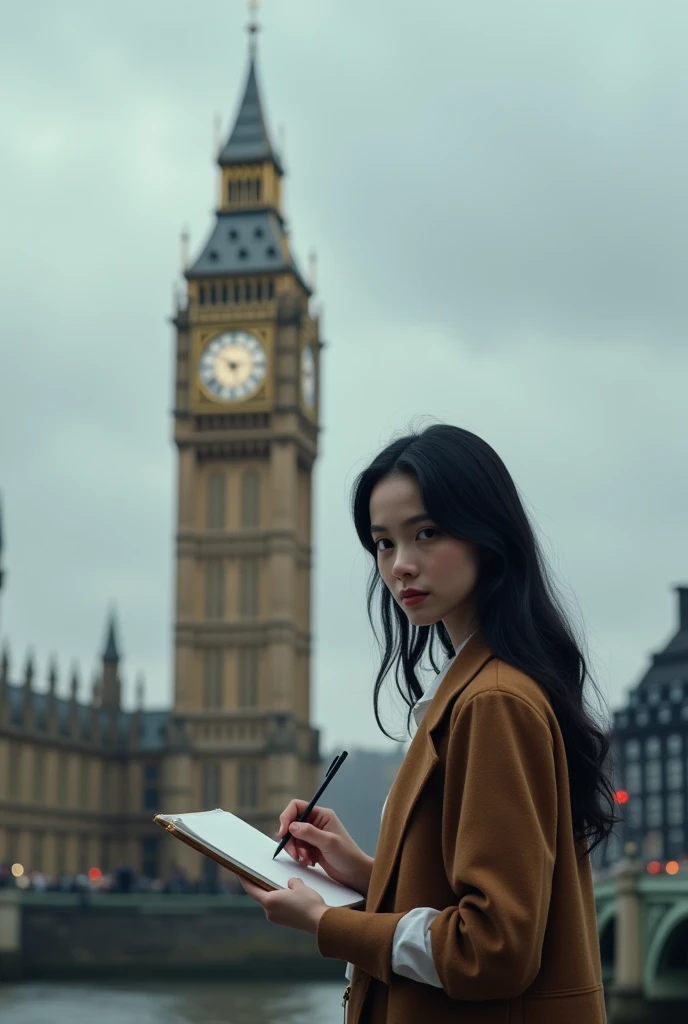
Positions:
{"x": 248, "y": 677}
{"x": 249, "y": 588}
{"x": 250, "y": 498}
{"x": 212, "y": 679}
{"x": 211, "y": 796}
{"x": 248, "y": 785}
{"x": 214, "y": 590}
{"x": 213, "y": 295}
{"x": 217, "y": 489}
{"x": 201, "y": 294}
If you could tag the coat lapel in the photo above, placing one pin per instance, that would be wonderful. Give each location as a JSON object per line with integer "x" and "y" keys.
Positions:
{"x": 417, "y": 767}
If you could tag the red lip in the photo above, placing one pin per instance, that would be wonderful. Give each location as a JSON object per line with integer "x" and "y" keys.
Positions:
{"x": 411, "y": 597}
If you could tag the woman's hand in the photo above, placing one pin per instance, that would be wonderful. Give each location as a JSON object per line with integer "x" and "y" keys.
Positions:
{"x": 299, "y": 906}
{"x": 323, "y": 840}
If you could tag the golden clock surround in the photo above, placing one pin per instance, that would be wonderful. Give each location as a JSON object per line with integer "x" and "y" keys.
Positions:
{"x": 262, "y": 399}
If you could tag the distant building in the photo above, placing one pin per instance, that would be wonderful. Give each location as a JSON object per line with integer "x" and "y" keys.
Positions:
{"x": 79, "y": 782}
{"x": 650, "y": 754}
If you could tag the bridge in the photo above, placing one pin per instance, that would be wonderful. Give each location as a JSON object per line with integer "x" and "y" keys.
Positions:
{"x": 643, "y": 928}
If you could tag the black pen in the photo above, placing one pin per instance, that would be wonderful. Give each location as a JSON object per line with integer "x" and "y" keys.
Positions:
{"x": 329, "y": 775}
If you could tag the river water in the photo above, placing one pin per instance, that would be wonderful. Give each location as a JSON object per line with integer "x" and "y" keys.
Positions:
{"x": 172, "y": 1003}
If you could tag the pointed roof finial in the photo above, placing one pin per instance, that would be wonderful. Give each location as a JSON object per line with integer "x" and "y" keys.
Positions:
{"x": 52, "y": 675}
{"x": 140, "y": 685}
{"x": 253, "y": 28}
{"x": 184, "y": 247}
{"x": 111, "y": 652}
{"x": 29, "y": 670}
{"x": 249, "y": 140}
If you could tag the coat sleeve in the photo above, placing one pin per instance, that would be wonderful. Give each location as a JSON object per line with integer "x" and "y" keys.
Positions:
{"x": 498, "y": 847}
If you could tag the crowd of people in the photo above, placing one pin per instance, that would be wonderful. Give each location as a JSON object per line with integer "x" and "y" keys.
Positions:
{"x": 123, "y": 880}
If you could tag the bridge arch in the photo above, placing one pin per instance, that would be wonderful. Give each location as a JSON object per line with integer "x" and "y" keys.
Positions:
{"x": 606, "y": 930}
{"x": 666, "y": 963}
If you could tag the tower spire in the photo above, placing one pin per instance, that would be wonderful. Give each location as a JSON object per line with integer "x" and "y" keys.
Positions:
{"x": 111, "y": 652}
{"x": 249, "y": 140}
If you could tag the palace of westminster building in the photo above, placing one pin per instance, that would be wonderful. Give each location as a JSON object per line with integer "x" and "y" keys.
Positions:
{"x": 80, "y": 782}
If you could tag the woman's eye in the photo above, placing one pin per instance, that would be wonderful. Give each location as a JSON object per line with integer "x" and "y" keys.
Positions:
{"x": 382, "y": 540}
{"x": 428, "y": 529}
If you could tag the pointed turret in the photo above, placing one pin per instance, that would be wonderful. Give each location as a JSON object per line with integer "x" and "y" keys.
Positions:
{"x": 249, "y": 139}
{"x": 111, "y": 652}
{"x": 249, "y": 236}
{"x": 110, "y": 687}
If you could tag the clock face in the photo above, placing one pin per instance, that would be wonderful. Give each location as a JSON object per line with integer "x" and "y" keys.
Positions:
{"x": 233, "y": 366}
{"x": 308, "y": 376}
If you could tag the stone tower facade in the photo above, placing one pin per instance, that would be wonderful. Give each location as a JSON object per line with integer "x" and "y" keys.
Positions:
{"x": 246, "y": 403}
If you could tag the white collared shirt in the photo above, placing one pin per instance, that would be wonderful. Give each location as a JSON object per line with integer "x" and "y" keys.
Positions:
{"x": 411, "y": 946}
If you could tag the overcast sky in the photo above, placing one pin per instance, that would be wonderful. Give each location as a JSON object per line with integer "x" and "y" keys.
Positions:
{"x": 497, "y": 195}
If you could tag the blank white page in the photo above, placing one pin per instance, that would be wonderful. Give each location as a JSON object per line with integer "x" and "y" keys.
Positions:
{"x": 246, "y": 846}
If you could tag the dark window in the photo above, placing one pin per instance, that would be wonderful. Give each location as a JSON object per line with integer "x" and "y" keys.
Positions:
{"x": 211, "y": 786}
{"x": 237, "y": 293}
{"x": 84, "y": 779}
{"x": 250, "y": 499}
{"x": 37, "y": 851}
{"x": 259, "y": 188}
{"x": 248, "y": 677}
{"x": 105, "y": 787}
{"x": 248, "y": 785}
{"x": 232, "y": 191}
{"x": 13, "y": 780}
{"x": 215, "y": 518}
{"x": 150, "y": 857}
{"x": 259, "y": 291}
{"x": 201, "y": 295}
{"x": 271, "y": 289}
{"x": 213, "y": 256}
{"x": 212, "y": 679}
{"x": 243, "y": 254}
{"x": 151, "y": 785}
{"x": 39, "y": 776}
{"x": 60, "y": 853}
{"x": 12, "y": 846}
{"x": 271, "y": 251}
{"x": 249, "y": 589}
{"x": 258, "y": 232}
{"x": 213, "y": 295}
{"x": 233, "y": 234}
{"x": 62, "y": 767}
{"x": 83, "y": 854}
{"x": 224, "y": 292}
{"x": 249, "y": 291}
{"x": 214, "y": 590}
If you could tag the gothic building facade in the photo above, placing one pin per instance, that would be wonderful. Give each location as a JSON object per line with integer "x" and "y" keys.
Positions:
{"x": 649, "y": 755}
{"x": 79, "y": 783}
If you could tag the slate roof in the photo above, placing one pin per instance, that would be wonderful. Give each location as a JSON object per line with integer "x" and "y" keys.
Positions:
{"x": 671, "y": 663}
{"x": 244, "y": 242}
{"x": 153, "y": 722}
{"x": 249, "y": 140}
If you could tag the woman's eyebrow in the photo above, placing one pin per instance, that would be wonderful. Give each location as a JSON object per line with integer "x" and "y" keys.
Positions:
{"x": 376, "y": 528}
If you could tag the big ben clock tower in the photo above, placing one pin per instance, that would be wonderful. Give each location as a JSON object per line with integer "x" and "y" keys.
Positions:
{"x": 246, "y": 429}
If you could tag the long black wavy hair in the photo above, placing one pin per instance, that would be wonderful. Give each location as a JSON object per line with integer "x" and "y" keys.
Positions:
{"x": 468, "y": 491}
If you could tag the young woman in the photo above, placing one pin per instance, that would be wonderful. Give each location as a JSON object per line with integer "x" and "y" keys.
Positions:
{"x": 479, "y": 901}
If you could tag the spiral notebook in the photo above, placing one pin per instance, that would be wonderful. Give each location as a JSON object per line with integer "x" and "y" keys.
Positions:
{"x": 246, "y": 851}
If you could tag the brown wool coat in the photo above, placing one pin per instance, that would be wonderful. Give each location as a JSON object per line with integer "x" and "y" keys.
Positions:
{"x": 478, "y": 826}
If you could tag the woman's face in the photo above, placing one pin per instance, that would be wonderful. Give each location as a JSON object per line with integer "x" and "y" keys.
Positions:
{"x": 414, "y": 555}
